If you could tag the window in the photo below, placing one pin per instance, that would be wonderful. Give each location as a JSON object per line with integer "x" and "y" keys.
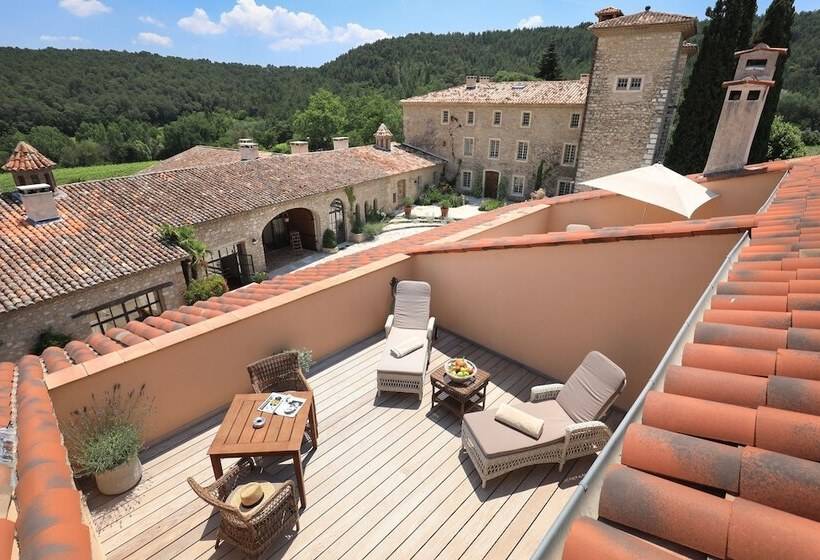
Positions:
{"x": 635, "y": 84}
{"x": 119, "y": 312}
{"x": 565, "y": 186}
{"x": 570, "y": 152}
{"x": 470, "y": 118}
{"x": 575, "y": 120}
{"x": 495, "y": 148}
{"x": 522, "y": 151}
{"x": 496, "y": 118}
{"x": 526, "y": 119}
{"x": 445, "y": 117}
{"x": 469, "y": 144}
{"x": 753, "y": 95}
{"x": 628, "y": 83}
{"x": 734, "y": 95}
{"x": 621, "y": 84}
{"x": 466, "y": 180}
{"x": 518, "y": 185}
{"x": 756, "y": 63}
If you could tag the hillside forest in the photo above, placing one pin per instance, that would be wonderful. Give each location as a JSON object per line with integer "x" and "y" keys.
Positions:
{"x": 86, "y": 107}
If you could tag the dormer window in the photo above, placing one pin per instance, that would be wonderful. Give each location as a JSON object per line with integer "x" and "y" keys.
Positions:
{"x": 753, "y": 95}
{"x": 734, "y": 95}
{"x": 758, "y": 63}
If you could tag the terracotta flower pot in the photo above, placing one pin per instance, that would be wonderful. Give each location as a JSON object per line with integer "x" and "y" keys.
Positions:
{"x": 444, "y": 211}
{"x": 357, "y": 237}
{"x": 407, "y": 210}
{"x": 119, "y": 479}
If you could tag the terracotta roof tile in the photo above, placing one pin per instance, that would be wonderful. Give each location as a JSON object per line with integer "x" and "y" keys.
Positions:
{"x": 201, "y": 156}
{"x": 648, "y": 18}
{"x": 26, "y": 157}
{"x": 563, "y": 92}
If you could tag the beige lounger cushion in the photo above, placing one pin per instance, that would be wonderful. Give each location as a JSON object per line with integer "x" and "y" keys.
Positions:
{"x": 591, "y": 387}
{"x": 414, "y": 363}
{"x": 517, "y": 419}
{"x": 496, "y": 439}
{"x": 401, "y": 349}
{"x": 412, "y": 308}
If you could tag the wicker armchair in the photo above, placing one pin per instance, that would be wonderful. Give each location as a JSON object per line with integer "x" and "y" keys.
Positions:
{"x": 281, "y": 372}
{"x": 252, "y": 534}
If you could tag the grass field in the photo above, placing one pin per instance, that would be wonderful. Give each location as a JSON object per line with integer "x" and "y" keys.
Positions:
{"x": 63, "y": 176}
{"x": 813, "y": 150}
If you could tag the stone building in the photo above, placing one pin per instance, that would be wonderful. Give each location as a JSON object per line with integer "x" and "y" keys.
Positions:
{"x": 638, "y": 67}
{"x": 494, "y": 135}
{"x": 87, "y": 257}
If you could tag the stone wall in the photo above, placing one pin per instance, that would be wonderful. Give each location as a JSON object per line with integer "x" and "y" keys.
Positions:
{"x": 19, "y": 329}
{"x": 623, "y": 128}
{"x": 547, "y": 134}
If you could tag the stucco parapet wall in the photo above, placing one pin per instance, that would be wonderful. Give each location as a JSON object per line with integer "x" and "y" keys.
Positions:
{"x": 102, "y": 363}
{"x": 519, "y": 212}
{"x": 736, "y": 224}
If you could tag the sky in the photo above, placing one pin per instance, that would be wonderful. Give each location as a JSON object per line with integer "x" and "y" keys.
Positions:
{"x": 285, "y": 32}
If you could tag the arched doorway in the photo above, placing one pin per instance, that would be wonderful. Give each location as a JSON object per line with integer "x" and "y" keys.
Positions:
{"x": 278, "y": 233}
{"x": 491, "y": 184}
{"x": 336, "y": 219}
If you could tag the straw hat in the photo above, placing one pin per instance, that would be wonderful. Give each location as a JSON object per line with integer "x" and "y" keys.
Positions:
{"x": 248, "y": 498}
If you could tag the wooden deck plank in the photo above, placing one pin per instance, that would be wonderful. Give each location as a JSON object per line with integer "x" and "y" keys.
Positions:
{"x": 389, "y": 479}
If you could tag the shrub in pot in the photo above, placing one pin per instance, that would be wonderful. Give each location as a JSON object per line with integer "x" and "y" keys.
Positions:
{"x": 445, "y": 208}
{"x": 105, "y": 437}
{"x": 357, "y": 231}
{"x": 329, "y": 241}
{"x": 408, "y": 207}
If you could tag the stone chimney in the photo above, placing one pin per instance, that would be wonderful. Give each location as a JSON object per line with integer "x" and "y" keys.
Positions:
{"x": 471, "y": 82}
{"x": 384, "y": 138}
{"x": 29, "y": 167}
{"x": 341, "y": 143}
{"x": 298, "y": 147}
{"x": 248, "y": 149}
{"x": 39, "y": 204}
{"x": 609, "y": 12}
{"x": 486, "y": 79}
{"x": 742, "y": 107}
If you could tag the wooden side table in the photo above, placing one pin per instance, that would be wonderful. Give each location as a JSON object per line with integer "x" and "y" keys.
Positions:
{"x": 279, "y": 436}
{"x": 458, "y": 397}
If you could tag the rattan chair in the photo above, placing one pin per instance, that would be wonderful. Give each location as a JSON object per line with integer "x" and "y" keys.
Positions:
{"x": 281, "y": 372}
{"x": 252, "y": 535}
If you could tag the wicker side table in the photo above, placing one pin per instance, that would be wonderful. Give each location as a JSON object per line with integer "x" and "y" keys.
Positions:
{"x": 458, "y": 397}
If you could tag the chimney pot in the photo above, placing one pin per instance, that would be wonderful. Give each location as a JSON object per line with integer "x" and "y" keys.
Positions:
{"x": 39, "y": 204}
{"x": 471, "y": 82}
{"x": 248, "y": 149}
{"x": 341, "y": 143}
{"x": 298, "y": 147}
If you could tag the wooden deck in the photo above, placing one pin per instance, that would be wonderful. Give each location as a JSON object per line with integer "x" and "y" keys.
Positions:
{"x": 387, "y": 481}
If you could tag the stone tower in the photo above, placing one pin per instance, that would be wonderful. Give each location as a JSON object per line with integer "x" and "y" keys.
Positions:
{"x": 637, "y": 69}
{"x": 742, "y": 106}
{"x": 29, "y": 167}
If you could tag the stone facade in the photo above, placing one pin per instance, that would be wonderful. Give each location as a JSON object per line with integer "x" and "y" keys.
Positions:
{"x": 625, "y": 129}
{"x": 21, "y": 328}
{"x": 548, "y": 132}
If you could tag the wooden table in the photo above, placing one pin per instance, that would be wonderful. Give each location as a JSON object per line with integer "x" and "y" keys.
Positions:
{"x": 279, "y": 436}
{"x": 458, "y": 397}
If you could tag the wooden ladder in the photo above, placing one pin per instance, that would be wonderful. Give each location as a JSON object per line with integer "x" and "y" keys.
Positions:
{"x": 295, "y": 241}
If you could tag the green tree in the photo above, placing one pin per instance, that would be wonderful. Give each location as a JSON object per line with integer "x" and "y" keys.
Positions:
{"x": 49, "y": 140}
{"x": 323, "y": 118}
{"x": 728, "y": 30}
{"x": 776, "y": 31}
{"x": 785, "y": 140}
{"x": 548, "y": 67}
{"x": 365, "y": 114}
{"x": 511, "y": 76}
{"x": 82, "y": 154}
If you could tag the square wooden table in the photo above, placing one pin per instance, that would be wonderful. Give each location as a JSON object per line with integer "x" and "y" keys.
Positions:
{"x": 459, "y": 397}
{"x": 279, "y": 436}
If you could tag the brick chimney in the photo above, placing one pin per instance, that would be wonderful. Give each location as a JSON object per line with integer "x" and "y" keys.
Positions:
{"x": 609, "y": 12}
{"x": 298, "y": 147}
{"x": 471, "y": 81}
{"x": 248, "y": 149}
{"x": 39, "y": 204}
{"x": 742, "y": 107}
{"x": 341, "y": 143}
{"x": 384, "y": 138}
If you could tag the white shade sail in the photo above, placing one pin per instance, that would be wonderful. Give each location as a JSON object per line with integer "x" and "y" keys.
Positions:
{"x": 658, "y": 186}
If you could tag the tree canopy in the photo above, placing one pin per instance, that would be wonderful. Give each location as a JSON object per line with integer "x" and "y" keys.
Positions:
{"x": 548, "y": 67}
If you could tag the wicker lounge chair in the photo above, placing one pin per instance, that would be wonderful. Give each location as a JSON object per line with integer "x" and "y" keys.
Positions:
{"x": 571, "y": 413}
{"x": 281, "y": 372}
{"x": 409, "y": 324}
{"x": 251, "y": 534}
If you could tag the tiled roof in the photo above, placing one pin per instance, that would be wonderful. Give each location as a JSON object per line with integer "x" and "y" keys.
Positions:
{"x": 563, "y": 92}
{"x": 26, "y": 157}
{"x": 108, "y": 228}
{"x": 725, "y": 461}
{"x": 647, "y": 18}
{"x": 199, "y": 156}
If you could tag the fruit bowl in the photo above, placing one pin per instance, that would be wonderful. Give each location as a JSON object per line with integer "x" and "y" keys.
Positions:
{"x": 460, "y": 370}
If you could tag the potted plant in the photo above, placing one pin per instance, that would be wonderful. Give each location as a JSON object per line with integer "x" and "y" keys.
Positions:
{"x": 408, "y": 207}
{"x": 357, "y": 231}
{"x": 445, "y": 208}
{"x": 329, "y": 241}
{"x": 104, "y": 439}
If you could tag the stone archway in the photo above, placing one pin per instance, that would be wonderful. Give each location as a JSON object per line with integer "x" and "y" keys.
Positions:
{"x": 276, "y": 235}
